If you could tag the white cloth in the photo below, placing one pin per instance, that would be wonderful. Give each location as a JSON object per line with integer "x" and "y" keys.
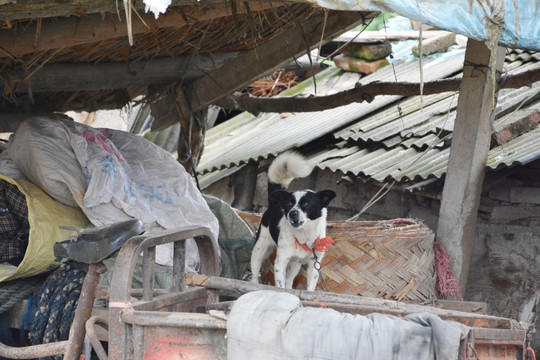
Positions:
{"x": 273, "y": 325}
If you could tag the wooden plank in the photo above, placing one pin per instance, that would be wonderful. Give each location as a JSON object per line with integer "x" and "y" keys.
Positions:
{"x": 269, "y": 56}
{"x": 468, "y": 156}
{"x": 515, "y": 337}
{"x": 65, "y": 32}
{"x": 475, "y": 307}
{"x": 382, "y": 36}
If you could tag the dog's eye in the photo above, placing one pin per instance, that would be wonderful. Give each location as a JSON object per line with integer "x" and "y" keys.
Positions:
{"x": 290, "y": 203}
{"x": 304, "y": 205}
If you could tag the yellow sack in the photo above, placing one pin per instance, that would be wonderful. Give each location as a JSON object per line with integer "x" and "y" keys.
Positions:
{"x": 45, "y": 216}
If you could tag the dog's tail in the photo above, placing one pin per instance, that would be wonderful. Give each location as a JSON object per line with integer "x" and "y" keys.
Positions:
{"x": 285, "y": 168}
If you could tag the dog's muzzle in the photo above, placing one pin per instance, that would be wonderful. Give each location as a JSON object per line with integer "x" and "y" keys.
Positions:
{"x": 294, "y": 218}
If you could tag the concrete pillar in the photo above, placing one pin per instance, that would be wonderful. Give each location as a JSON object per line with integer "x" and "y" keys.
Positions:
{"x": 468, "y": 156}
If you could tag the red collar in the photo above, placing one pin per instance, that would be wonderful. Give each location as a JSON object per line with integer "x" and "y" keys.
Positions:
{"x": 320, "y": 244}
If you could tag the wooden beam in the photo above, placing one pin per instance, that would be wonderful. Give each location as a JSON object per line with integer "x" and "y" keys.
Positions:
{"x": 102, "y": 76}
{"x": 58, "y": 33}
{"x": 456, "y": 229}
{"x": 106, "y": 76}
{"x": 11, "y": 10}
{"x": 269, "y": 56}
{"x": 9, "y": 122}
{"x": 73, "y": 77}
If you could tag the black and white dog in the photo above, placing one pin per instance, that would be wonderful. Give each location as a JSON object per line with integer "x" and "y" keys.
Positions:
{"x": 295, "y": 222}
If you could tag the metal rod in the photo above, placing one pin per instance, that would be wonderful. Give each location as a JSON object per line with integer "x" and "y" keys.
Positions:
{"x": 174, "y": 319}
{"x": 138, "y": 342}
{"x": 242, "y": 287}
{"x": 94, "y": 340}
{"x": 149, "y": 271}
{"x": 83, "y": 311}
{"x": 179, "y": 261}
{"x": 34, "y": 351}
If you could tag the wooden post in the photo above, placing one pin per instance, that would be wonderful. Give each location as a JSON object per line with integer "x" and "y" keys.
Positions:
{"x": 468, "y": 156}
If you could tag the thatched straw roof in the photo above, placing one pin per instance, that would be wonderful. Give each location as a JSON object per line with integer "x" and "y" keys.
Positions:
{"x": 77, "y": 55}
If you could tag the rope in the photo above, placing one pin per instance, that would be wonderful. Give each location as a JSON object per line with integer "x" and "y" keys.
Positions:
{"x": 447, "y": 284}
{"x": 55, "y": 306}
{"x": 12, "y": 292}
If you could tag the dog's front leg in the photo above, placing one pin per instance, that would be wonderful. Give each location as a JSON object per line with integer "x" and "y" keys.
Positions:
{"x": 313, "y": 273}
{"x": 280, "y": 269}
{"x": 292, "y": 271}
{"x": 261, "y": 251}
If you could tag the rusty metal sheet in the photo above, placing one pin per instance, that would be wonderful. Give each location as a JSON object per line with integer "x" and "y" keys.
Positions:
{"x": 161, "y": 342}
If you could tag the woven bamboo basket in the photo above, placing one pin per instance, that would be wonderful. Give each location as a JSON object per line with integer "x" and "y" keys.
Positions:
{"x": 391, "y": 259}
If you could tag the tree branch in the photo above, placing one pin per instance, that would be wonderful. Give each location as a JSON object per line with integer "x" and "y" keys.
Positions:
{"x": 359, "y": 93}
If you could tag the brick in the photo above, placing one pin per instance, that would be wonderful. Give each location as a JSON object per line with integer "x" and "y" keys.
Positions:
{"x": 435, "y": 44}
{"x": 368, "y": 52}
{"x": 515, "y": 124}
{"x": 349, "y": 63}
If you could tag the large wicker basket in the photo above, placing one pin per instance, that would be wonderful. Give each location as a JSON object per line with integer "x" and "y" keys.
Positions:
{"x": 391, "y": 259}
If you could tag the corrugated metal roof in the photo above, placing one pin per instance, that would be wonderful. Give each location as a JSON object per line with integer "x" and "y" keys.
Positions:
{"x": 214, "y": 176}
{"x": 437, "y": 112}
{"x": 521, "y": 150}
{"x": 363, "y": 127}
{"x": 254, "y": 137}
{"x": 414, "y": 164}
{"x": 389, "y": 138}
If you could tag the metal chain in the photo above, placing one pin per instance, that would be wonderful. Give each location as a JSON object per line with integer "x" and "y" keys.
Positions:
{"x": 317, "y": 265}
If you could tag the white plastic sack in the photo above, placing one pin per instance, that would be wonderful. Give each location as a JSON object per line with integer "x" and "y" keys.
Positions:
{"x": 7, "y": 165}
{"x": 112, "y": 176}
{"x": 517, "y": 19}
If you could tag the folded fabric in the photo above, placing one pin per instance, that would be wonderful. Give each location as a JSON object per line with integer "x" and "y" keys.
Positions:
{"x": 274, "y": 325}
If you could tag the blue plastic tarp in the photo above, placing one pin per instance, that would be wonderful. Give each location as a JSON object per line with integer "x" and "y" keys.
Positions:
{"x": 515, "y": 21}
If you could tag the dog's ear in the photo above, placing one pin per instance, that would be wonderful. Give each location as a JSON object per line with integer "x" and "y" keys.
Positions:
{"x": 326, "y": 196}
{"x": 278, "y": 196}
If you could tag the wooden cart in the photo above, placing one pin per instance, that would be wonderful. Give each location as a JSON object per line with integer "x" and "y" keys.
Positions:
{"x": 152, "y": 323}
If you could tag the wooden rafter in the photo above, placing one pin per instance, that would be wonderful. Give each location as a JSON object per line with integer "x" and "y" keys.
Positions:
{"x": 107, "y": 76}
{"x": 268, "y": 57}
{"x": 11, "y": 10}
{"x": 80, "y": 77}
{"x": 58, "y": 33}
